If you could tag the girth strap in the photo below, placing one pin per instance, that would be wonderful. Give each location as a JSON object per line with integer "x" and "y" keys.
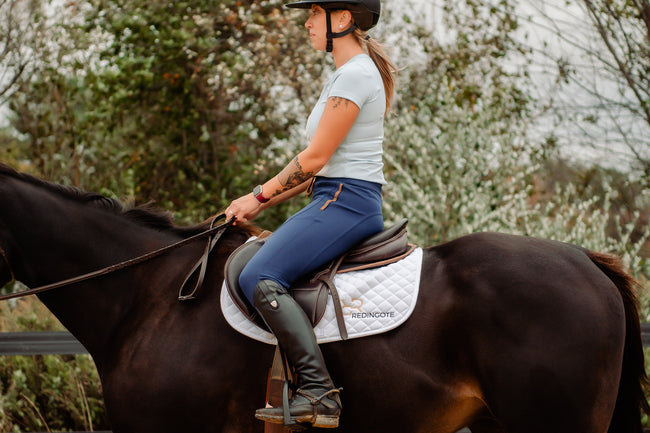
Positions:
{"x": 327, "y": 277}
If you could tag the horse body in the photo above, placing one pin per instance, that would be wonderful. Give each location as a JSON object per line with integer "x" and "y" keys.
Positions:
{"x": 510, "y": 334}
{"x": 479, "y": 357}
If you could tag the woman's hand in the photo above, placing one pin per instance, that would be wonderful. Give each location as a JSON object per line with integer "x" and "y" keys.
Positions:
{"x": 243, "y": 209}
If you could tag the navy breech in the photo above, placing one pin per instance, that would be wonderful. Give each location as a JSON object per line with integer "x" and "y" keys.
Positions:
{"x": 341, "y": 214}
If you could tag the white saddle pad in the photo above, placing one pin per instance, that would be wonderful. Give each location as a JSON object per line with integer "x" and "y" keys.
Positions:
{"x": 373, "y": 301}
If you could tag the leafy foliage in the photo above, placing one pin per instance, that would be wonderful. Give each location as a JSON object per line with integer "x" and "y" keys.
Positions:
{"x": 176, "y": 103}
{"x": 46, "y": 393}
{"x": 456, "y": 151}
{"x": 20, "y": 42}
{"x": 50, "y": 393}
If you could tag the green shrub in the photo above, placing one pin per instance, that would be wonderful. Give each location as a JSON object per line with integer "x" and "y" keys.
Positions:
{"x": 50, "y": 393}
{"x": 46, "y": 393}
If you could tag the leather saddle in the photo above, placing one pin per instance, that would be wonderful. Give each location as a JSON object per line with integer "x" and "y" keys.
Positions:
{"x": 311, "y": 291}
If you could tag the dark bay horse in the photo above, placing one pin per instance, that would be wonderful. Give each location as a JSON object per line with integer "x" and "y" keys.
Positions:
{"x": 510, "y": 334}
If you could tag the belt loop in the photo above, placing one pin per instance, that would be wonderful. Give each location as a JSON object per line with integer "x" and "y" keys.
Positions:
{"x": 310, "y": 188}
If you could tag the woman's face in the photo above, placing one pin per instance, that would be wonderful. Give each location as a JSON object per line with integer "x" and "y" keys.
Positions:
{"x": 317, "y": 26}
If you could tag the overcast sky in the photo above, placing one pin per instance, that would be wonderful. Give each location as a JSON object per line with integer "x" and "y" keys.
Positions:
{"x": 556, "y": 30}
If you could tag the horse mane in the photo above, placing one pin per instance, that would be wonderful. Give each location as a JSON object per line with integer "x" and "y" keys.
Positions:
{"x": 145, "y": 215}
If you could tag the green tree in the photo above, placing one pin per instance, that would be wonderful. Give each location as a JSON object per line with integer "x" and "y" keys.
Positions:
{"x": 459, "y": 126}
{"x": 187, "y": 104}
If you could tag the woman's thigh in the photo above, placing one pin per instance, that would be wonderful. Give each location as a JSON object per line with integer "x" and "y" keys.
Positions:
{"x": 320, "y": 232}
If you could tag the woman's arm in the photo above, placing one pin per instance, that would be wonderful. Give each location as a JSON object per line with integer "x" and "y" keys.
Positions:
{"x": 335, "y": 123}
{"x": 249, "y": 201}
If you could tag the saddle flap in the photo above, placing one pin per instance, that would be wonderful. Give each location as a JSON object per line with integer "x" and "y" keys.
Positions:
{"x": 234, "y": 266}
{"x": 310, "y": 295}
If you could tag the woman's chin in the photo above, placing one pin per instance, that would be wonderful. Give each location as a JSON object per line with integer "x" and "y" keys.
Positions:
{"x": 318, "y": 46}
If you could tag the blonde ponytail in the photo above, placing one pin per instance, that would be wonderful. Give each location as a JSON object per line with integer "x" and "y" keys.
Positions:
{"x": 386, "y": 67}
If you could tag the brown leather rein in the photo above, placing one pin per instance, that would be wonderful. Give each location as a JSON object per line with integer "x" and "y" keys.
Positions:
{"x": 217, "y": 231}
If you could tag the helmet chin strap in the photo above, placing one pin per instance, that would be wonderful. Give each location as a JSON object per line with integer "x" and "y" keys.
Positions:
{"x": 331, "y": 35}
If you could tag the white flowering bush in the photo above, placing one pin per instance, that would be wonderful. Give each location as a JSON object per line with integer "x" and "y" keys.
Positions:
{"x": 466, "y": 173}
{"x": 458, "y": 161}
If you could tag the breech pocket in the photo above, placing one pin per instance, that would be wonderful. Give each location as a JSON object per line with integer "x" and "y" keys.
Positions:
{"x": 333, "y": 199}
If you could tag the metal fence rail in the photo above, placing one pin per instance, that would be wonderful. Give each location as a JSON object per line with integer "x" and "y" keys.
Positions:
{"x": 64, "y": 343}
{"x": 39, "y": 343}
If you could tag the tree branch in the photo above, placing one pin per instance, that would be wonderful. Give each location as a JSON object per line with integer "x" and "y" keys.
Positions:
{"x": 627, "y": 75}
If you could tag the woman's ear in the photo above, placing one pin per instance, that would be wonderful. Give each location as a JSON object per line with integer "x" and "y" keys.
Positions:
{"x": 345, "y": 19}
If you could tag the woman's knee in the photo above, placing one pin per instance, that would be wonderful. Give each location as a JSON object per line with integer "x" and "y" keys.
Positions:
{"x": 248, "y": 279}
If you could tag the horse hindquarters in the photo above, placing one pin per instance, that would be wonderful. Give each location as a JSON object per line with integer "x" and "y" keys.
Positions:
{"x": 543, "y": 331}
{"x": 631, "y": 399}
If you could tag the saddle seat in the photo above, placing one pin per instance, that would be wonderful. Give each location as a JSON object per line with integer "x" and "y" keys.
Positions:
{"x": 311, "y": 291}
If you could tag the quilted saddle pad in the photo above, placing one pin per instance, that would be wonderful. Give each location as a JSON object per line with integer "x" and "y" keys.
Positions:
{"x": 373, "y": 301}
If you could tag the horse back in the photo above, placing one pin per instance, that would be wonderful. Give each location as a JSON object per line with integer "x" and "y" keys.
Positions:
{"x": 508, "y": 276}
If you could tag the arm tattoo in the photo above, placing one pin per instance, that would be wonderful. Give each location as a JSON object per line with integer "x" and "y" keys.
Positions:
{"x": 337, "y": 101}
{"x": 292, "y": 176}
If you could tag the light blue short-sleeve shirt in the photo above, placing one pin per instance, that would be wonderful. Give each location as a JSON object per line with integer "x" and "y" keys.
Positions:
{"x": 359, "y": 156}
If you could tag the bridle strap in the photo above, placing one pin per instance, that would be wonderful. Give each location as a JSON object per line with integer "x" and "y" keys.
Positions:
{"x": 125, "y": 264}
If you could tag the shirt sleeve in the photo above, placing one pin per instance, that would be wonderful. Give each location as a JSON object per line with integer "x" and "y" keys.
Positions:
{"x": 354, "y": 84}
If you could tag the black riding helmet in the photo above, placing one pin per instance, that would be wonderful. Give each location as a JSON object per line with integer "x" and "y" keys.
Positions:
{"x": 365, "y": 13}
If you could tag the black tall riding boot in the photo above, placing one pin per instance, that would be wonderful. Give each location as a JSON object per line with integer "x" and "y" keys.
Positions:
{"x": 316, "y": 401}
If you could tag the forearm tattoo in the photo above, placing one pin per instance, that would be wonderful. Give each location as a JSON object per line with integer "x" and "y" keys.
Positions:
{"x": 292, "y": 176}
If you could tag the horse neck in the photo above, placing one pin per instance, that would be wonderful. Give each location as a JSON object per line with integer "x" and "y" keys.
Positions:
{"x": 97, "y": 310}
{"x": 54, "y": 239}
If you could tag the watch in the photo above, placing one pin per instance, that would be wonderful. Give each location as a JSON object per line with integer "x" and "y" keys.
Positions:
{"x": 257, "y": 192}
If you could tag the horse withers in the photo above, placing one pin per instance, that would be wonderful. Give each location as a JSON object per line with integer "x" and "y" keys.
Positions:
{"x": 509, "y": 334}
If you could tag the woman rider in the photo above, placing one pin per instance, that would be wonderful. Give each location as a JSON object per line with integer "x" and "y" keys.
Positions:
{"x": 344, "y": 162}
